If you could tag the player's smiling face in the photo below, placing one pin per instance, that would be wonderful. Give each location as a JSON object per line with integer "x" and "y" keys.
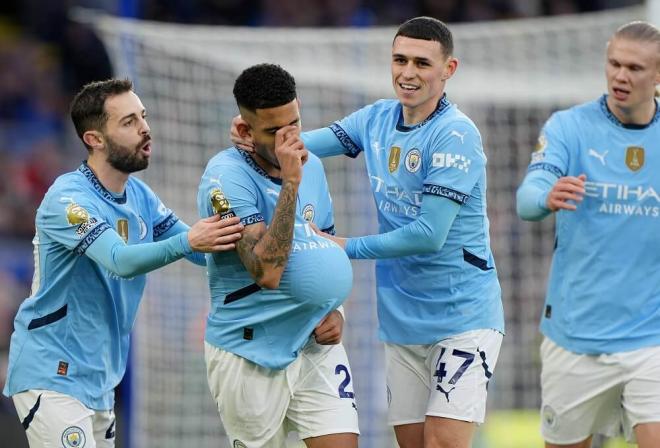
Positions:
{"x": 420, "y": 70}
{"x": 127, "y": 134}
{"x": 264, "y": 123}
{"x": 633, "y": 72}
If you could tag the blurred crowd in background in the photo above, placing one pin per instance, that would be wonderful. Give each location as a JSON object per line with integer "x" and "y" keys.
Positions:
{"x": 45, "y": 57}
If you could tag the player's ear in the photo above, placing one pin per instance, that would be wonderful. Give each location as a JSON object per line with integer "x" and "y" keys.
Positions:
{"x": 450, "y": 68}
{"x": 93, "y": 139}
{"x": 244, "y": 130}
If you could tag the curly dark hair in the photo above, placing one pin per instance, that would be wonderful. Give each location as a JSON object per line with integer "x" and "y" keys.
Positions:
{"x": 263, "y": 86}
{"x": 428, "y": 28}
{"x": 88, "y": 106}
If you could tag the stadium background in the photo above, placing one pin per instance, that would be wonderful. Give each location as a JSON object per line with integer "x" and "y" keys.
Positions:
{"x": 520, "y": 60}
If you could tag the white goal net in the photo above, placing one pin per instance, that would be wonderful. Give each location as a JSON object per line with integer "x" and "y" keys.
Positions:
{"x": 511, "y": 76}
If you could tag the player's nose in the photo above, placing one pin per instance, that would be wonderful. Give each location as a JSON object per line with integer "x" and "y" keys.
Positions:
{"x": 409, "y": 71}
{"x": 144, "y": 127}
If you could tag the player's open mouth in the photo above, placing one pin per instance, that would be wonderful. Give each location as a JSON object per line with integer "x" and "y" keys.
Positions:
{"x": 147, "y": 148}
{"x": 620, "y": 94}
{"x": 408, "y": 87}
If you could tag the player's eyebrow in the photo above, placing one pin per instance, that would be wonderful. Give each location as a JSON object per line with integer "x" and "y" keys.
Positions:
{"x": 133, "y": 114}
{"x": 277, "y": 128}
{"x": 416, "y": 59}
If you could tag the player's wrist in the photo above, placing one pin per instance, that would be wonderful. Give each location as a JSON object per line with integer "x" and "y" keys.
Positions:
{"x": 292, "y": 180}
{"x": 186, "y": 246}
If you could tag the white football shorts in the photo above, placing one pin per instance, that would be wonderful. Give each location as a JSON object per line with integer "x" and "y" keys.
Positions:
{"x": 447, "y": 379}
{"x": 258, "y": 406}
{"x": 597, "y": 394}
{"x": 52, "y": 419}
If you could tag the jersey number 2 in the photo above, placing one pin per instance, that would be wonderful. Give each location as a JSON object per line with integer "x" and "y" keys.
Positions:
{"x": 342, "y": 387}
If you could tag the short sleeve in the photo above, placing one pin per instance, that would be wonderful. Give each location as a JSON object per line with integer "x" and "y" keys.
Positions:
{"x": 233, "y": 192}
{"x": 72, "y": 218}
{"x": 456, "y": 162}
{"x": 551, "y": 153}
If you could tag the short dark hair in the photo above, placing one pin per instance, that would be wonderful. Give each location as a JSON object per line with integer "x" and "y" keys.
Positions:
{"x": 263, "y": 86}
{"x": 88, "y": 106}
{"x": 428, "y": 28}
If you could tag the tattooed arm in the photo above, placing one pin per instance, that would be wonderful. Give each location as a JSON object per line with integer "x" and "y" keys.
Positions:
{"x": 265, "y": 251}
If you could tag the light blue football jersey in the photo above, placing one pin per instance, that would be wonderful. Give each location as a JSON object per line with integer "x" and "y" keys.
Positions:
{"x": 425, "y": 298}
{"x": 603, "y": 295}
{"x": 72, "y": 334}
{"x": 270, "y": 326}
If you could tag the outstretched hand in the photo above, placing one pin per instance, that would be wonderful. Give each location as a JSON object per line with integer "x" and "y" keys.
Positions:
{"x": 214, "y": 234}
{"x": 341, "y": 242}
{"x": 567, "y": 188}
{"x": 329, "y": 330}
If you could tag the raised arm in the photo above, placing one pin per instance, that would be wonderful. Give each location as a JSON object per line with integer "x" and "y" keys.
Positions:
{"x": 263, "y": 250}
{"x": 322, "y": 142}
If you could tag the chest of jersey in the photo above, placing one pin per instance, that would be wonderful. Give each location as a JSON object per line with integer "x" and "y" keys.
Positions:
{"x": 129, "y": 219}
{"x": 621, "y": 166}
{"x": 397, "y": 167}
{"x": 312, "y": 204}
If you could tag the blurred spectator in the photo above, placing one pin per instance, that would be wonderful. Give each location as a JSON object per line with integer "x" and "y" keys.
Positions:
{"x": 470, "y": 11}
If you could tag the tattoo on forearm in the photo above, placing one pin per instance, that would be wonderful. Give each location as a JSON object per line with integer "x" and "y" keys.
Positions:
{"x": 245, "y": 249}
{"x": 276, "y": 241}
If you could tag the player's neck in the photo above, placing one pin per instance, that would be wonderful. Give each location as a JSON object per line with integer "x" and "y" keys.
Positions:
{"x": 269, "y": 168}
{"x": 112, "y": 179}
{"x": 641, "y": 115}
{"x": 419, "y": 113}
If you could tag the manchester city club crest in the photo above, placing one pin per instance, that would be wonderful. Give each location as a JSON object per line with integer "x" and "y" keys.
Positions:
{"x": 143, "y": 228}
{"x": 413, "y": 160}
{"x": 635, "y": 158}
{"x": 73, "y": 436}
{"x": 395, "y": 158}
{"x": 308, "y": 213}
{"x": 549, "y": 417}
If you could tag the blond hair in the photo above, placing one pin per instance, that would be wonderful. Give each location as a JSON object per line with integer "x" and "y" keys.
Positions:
{"x": 642, "y": 32}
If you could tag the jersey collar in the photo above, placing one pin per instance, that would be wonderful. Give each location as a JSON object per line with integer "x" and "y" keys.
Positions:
{"x": 250, "y": 161}
{"x": 443, "y": 104}
{"x": 98, "y": 186}
{"x": 610, "y": 116}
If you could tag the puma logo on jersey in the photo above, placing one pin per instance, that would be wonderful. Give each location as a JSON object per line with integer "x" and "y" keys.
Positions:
{"x": 458, "y": 134}
{"x": 273, "y": 192}
{"x": 596, "y": 154}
